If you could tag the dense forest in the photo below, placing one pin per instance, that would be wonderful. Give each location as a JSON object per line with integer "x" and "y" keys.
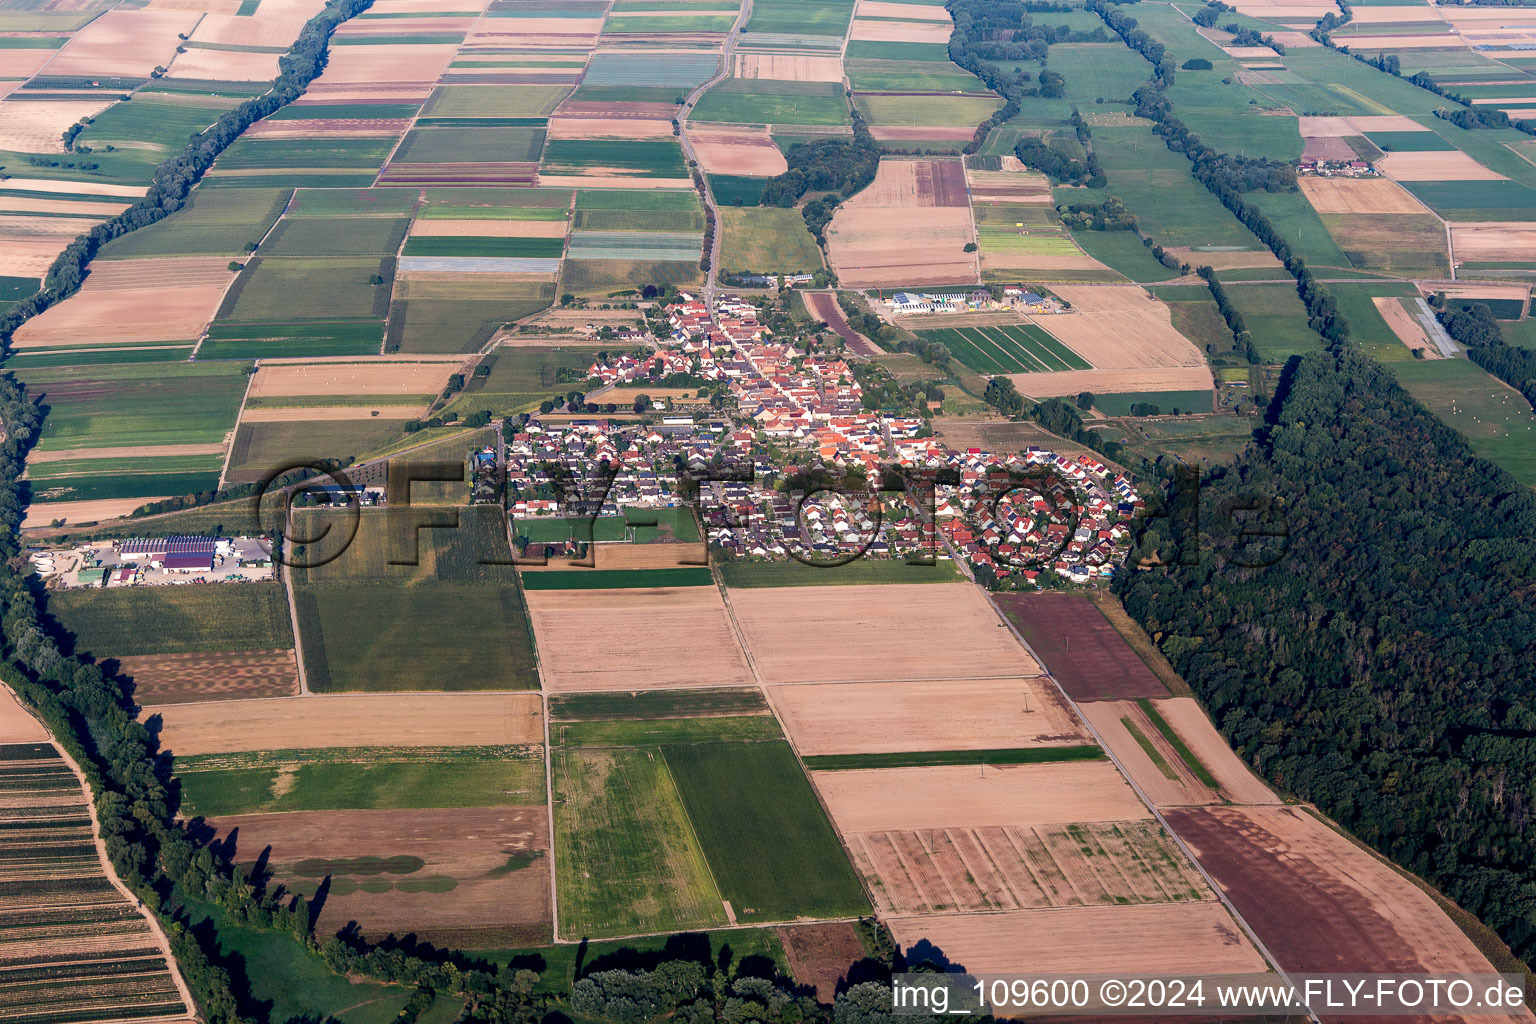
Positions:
{"x": 1375, "y": 653}
{"x": 826, "y": 165}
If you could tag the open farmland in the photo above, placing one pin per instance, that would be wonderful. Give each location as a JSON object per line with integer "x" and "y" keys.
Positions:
{"x": 134, "y": 301}
{"x": 952, "y": 714}
{"x": 587, "y": 638}
{"x": 64, "y": 914}
{"x": 174, "y": 620}
{"x": 853, "y": 633}
{"x": 910, "y": 227}
{"x": 1006, "y": 348}
{"x": 355, "y": 720}
{"x": 1080, "y": 647}
{"x": 766, "y": 240}
{"x": 210, "y": 675}
{"x": 461, "y": 583}
{"x": 1354, "y": 912}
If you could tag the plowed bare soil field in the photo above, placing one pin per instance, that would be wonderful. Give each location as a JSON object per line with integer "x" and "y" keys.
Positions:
{"x": 456, "y": 877}
{"x": 878, "y": 632}
{"x": 384, "y": 63}
{"x": 965, "y": 870}
{"x": 819, "y": 955}
{"x": 791, "y": 67}
{"x": 1318, "y": 901}
{"x": 1447, "y": 165}
{"x": 974, "y": 796}
{"x": 953, "y": 714}
{"x": 745, "y": 151}
{"x": 1076, "y": 940}
{"x": 359, "y": 378}
{"x": 915, "y": 183}
{"x": 594, "y": 639}
{"x": 216, "y": 675}
{"x": 609, "y": 128}
{"x": 1081, "y": 649}
{"x": 883, "y": 31}
{"x": 124, "y": 42}
{"x": 1496, "y": 242}
{"x": 354, "y": 720}
{"x": 134, "y": 300}
{"x": 16, "y": 723}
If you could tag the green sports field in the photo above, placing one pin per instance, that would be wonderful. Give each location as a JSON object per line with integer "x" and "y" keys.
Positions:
{"x": 1007, "y": 348}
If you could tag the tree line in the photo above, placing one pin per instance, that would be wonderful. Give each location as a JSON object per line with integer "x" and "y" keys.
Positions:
{"x": 1241, "y": 339}
{"x": 1474, "y": 327}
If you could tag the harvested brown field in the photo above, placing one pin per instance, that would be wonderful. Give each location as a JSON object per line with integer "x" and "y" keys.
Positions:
{"x": 589, "y": 639}
{"x": 1408, "y": 329}
{"x": 90, "y": 188}
{"x": 967, "y": 870}
{"x": 876, "y": 632}
{"x": 953, "y": 714}
{"x": 743, "y": 151}
{"x": 1479, "y": 290}
{"x": 901, "y": 246}
{"x": 227, "y": 65}
{"x": 217, "y": 675}
{"x": 1077, "y": 940}
{"x": 819, "y": 955}
{"x": 489, "y": 228}
{"x": 354, "y": 720}
{"x": 609, "y": 128}
{"x": 16, "y": 723}
{"x": 974, "y": 796}
{"x": 1193, "y": 725}
{"x": 1119, "y": 327}
{"x": 1072, "y": 382}
{"x": 911, "y": 183}
{"x": 42, "y": 204}
{"x": 456, "y": 889}
{"x": 1494, "y": 242}
{"x": 134, "y": 300}
{"x": 1323, "y": 147}
{"x": 77, "y": 512}
{"x": 350, "y": 378}
{"x": 1160, "y": 774}
{"x": 1385, "y": 123}
{"x": 790, "y": 67}
{"x": 1081, "y": 649}
{"x": 913, "y": 12}
{"x": 1449, "y": 165}
{"x": 385, "y": 63}
{"x": 617, "y": 555}
{"x": 1358, "y": 195}
{"x": 1317, "y": 900}
{"x": 320, "y": 413}
{"x": 875, "y": 31}
{"x": 232, "y": 30}
{"x": 36, "y": 126}
{"x": 29, "y": 257}
{"x": 123, "y": 41}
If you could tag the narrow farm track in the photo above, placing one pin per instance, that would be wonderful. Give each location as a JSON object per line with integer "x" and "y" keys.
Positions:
{"x": 161, "y": 941}
{"x": 691, "y": 155}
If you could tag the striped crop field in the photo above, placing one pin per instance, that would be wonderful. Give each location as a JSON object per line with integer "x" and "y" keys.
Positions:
{"x": 1007, "y": 348}
{"x": 635, "y": 245}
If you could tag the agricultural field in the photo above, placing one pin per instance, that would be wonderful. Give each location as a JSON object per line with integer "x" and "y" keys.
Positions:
{"x": 1496, "y": 421}
{"x": 765, "y": 101}
{"x": 118, "y": 622}
{"x": 89, "y": 949}
{"x": 1006, "y": 348}
{"x": 437, "y": 588}
{"x": 1099, "y": 665}
{"x": 909, "y": 227}
{"x": 766, "y": 241}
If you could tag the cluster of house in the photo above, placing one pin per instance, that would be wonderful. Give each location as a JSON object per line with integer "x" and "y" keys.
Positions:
{"x": 1010, "y": 517}
{"x": 1337, "y": 168}
{"x": 1014, "y": 299}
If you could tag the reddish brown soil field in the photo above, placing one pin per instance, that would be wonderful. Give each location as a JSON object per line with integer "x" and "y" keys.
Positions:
{"x": 1318, "y": 901}
{"x": 1081, "y": 649}
{"x": 214, "y": 675}
{"x": 819, "y": 955}
{"x": 824, "y": 306}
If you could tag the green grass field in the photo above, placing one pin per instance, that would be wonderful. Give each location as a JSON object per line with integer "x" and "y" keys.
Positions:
{"x": 470, "y": 145}
{"x": 1166, "y": 401}
{"x": 653, "y": 704}
{"x": 123, "y": 404}
{"x": 615, "y": 579}
{"x": 639, "y": 220}
{"x": 855, "y": 573}
{"x": 799, "y": 17}
{"x": 266, "y": 154}
{"x": 737, "y": 189}
{"x": 626, "y": 858}
{"x": 523, "y": 374}
{"x": 494, "y": 100}
{"x": 652, "y": 731}
{"x": 459, "y": 315}
{"x": 360, "y": 779}
{"x": 662, "y": 24}
{"x": 1276, "y": 319}
{"x": 448, "y": 245}
{"x": 662, "y": 158}
{"x": 648, "y": 199}
{"x": 336, "y": 236}
{"x": 213, "y": 223}
{"x": 932, "y": 758}
{"x": 92, "y": 486}
{"x": 231, "y": 340}
{"x": 174, "y": 620}
{"x": 925, "y": 110}
{"x": 1476, "y": 200}
{"x": 766, "y": 240}
{"x": 325, "y": 288}
{"x": 1122, "y": 252}
{"x": 762, "y": 101}
{"x": 263, "y": 448}
{"x": 1496, "y": 421}
{"x": 601, "y": 278}
{"x": 351, "y": 202}
{"x": 1010, "y": 348}
{"x": 773, "y": 853}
